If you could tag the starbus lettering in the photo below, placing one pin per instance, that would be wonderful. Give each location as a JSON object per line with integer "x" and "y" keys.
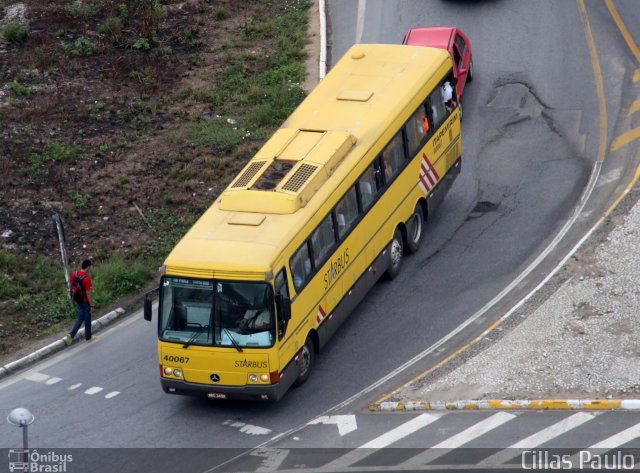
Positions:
{"x": 336, "y": 267}
{"x": 251, "y": 364}
{"x": 437, "y": 139}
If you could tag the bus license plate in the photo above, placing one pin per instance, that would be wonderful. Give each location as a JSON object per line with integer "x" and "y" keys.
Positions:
{"x": 217, "y": 396}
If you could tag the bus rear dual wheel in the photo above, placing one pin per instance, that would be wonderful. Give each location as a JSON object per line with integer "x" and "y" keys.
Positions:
{"x": 415, "y": 234}
{"x": 306, "y": 362}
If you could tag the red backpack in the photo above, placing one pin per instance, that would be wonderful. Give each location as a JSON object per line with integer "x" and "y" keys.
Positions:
{"x": 76, "y": 290}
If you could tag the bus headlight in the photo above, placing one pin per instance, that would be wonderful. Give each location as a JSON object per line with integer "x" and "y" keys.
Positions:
{"x": 264, "y": 378}
{"x": 177, "y": 372}
{"x": 168, "y": 371}
{"x": 253, "y": 378}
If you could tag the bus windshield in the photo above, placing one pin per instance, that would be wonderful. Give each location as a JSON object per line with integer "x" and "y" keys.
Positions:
{"x": 216, "y": 313}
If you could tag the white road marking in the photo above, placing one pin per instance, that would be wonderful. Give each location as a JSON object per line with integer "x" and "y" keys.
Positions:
{"x": 620, "y": 438}
{"x": 345, "y": 423}
{"x": 605, "y": 445}
{"x": 540, "y": 437}
{"x": 459, "y": 439}
{"x": 273, "y": 458}
{"x": 247, "y": 428}
{"x": 37, "y": 377}
{"x": 112, "y": 394}
{"x": 93, "y": 390}
{"x": 75, "y": 386}
{"x": 382, "y": 441}
{"x": 53, "y": 380}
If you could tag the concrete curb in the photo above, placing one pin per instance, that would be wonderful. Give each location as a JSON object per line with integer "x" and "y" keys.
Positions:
{"x": 498, "y": 404}
{"x": 96, "y": 326}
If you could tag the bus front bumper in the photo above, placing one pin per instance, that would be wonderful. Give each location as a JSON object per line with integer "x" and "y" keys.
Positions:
{"x": 262, "y": 392}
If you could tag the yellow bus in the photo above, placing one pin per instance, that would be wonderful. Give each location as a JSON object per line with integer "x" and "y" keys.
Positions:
{"x": 332, "y": 201}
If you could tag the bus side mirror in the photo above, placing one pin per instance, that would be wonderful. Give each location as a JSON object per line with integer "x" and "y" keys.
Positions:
{"x": 284, "y": 307}
{"x": 148, "y": 301}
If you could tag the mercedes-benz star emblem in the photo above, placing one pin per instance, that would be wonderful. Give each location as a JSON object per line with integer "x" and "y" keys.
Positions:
{"x": 215, "y": 377}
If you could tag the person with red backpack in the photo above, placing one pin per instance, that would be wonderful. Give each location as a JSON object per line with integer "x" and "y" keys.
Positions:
{"x": 81, "y": 294}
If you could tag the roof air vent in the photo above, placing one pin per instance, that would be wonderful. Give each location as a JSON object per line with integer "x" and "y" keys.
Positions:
{"x": 248, "y": 174}
{"x": 299, "y": 178}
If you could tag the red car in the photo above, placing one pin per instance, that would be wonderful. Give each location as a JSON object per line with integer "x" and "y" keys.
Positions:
{"x": 454, "y": 41}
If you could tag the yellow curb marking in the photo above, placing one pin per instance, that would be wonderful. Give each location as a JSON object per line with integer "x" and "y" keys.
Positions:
{"x": 636, "y": 76}
{"x": 623, "y": 29}
{"x": 635, "y": 106}
{"x": 597, "y": 73}
{"x": 503, "y": 404}
{"x": 625, "y": 139}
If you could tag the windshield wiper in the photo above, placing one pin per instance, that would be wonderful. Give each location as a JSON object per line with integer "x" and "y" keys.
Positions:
{"x": 233, "y": 340}
{"x": 191, "y": 340}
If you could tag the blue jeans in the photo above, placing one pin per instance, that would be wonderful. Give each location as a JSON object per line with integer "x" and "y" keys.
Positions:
{"x": 84, "y": 316}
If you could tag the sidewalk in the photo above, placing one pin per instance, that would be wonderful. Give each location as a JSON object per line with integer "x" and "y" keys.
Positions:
{"x": 579, "y": 344}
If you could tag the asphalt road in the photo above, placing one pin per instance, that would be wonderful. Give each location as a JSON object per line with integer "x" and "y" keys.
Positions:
{"x": 531, "y": 139}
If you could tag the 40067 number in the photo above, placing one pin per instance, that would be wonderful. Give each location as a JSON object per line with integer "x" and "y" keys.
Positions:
{"x": 176, "y": 359}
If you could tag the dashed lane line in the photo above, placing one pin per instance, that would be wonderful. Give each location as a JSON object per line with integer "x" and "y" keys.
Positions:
{"x": 50, "y": 380}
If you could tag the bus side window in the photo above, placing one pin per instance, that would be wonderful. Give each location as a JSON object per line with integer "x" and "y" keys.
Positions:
{"x": 438, "y": 110}
{"x": 322, "y": 240}
{"x": 368, "y": 186}
{"x": 393, "y": 158}
{"x": 300, "y": 265}
{"x": 347, "y": 212}
{"x": 281, "y": 284}
{"x": 417, "y": 129}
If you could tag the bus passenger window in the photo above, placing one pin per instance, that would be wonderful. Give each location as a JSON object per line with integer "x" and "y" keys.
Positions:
{"x": 417, "y": 129}
{"x": 322, "y": 240}
{"x": 438, "y": 109}
{"x": 347, "y": 212}
{"x": 367, "y": 184}
{"x": 393, "y": 157}
{"x": 300, "y": 266}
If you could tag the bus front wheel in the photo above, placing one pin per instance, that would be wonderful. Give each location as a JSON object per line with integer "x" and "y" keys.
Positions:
{"x": 415, "y": 229}
{"x": 306, "y": 362}
{"x": 396, "y": 253}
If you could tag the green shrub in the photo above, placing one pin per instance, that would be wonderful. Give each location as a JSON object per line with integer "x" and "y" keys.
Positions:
{"x": 142, "y": 44}
{"x": 83, "y": 10}
{"x": 18, "y": 88}
{"x": 111, "y": 28}
{"x": 8, "y": 288}
{"x": 15, "y": 32}
{"x": 221, "y": 13}
{"x": 57, "y": 152}
{"x": 79, "y": 199}
{"x": 118, "y": 277}
{"x": 82, "y": 47}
